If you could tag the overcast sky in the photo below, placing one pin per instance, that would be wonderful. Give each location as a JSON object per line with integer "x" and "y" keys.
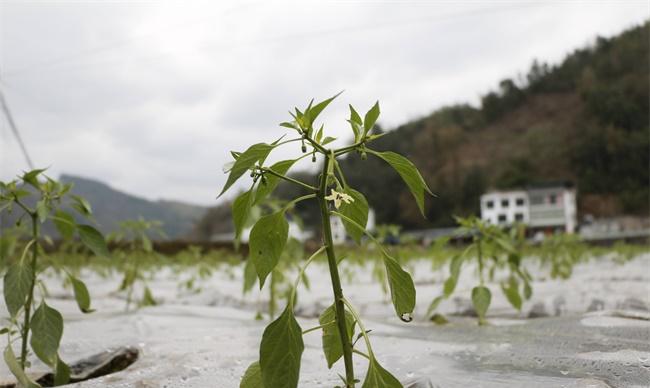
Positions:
{"x": 150, "y": 96}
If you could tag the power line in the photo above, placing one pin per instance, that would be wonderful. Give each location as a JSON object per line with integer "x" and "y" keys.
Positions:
{"x": 14, "y": 129}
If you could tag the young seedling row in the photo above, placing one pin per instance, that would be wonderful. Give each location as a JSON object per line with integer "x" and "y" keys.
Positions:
{"x": 499, "y": 260}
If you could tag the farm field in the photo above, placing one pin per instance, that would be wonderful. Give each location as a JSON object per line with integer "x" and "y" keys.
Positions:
{"x": 590, "y": 330}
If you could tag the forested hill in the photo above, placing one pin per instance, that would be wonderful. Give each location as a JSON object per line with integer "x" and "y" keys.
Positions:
{"x": 584, "y": 120}
{"x": 110, "y": 207}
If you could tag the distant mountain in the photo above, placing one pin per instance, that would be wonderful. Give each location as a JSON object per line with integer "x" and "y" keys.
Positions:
{"x": 111, "y": 206}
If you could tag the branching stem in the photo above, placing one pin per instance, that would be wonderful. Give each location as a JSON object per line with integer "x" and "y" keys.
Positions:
{"x": 339, "y": 307}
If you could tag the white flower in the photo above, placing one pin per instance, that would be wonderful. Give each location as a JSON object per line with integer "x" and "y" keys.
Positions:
{"x": 228, "y": 166}
{"x": 338, "y": 197}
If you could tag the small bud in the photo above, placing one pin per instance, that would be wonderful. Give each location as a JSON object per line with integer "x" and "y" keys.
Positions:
{"x": 304, "y": 148}
{"x": 364, "y": 155}
{"x": 313, "y": 158}
{"x": 252, "y": 174}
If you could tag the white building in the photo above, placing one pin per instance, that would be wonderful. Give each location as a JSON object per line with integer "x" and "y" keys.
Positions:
{"x": 549, "y": 207}
{"x": 505, "y": 207}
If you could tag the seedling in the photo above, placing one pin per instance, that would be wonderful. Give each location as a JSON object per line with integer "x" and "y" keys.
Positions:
{"x": 493, "y": 248}
{"x": 40, "y": 200}
{"x": 561, "y": 252}
{"x": 139, "y": 246}
{"x": 282, "y": 344}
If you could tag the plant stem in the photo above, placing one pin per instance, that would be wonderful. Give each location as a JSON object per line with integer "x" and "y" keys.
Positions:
{"x": 364, "y": 332}
{"x": 339, "y": 307}
{"x": 288, "y": 179}
{"x": 480, "y": 259}
{"x": 30, "y": 297}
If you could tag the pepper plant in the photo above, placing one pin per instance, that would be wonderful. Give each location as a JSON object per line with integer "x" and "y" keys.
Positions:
{"x": 135, "y": 234}
{"x": 282, "y": 344}
{"x": 493, "y": 248}
{"x": 38, "y": 199}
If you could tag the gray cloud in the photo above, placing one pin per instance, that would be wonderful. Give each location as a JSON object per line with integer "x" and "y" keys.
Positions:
{"x": 150, "y": 97}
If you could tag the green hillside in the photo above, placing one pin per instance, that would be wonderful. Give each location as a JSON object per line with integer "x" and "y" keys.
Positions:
{"x": 111, "y": 206}
{"x": 585, "y": 120}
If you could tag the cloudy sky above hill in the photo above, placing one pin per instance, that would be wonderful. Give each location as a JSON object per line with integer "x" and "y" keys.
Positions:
{"x": 150, "y": 96}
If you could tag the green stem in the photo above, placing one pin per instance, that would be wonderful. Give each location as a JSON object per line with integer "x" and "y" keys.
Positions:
{"x": 364, "y": 332}
{"x": 349, "y": 148}
{"x": 272, "y": 296}
{"x": 316, "y": 145}
{"x": 338, "y": 170}
{"x": 289, "y": 179}
{"x": 292, "y": 297}
{"x": 318, "y": 327}
{"x": 30, "y": 297}
{"x": 334, "y": 274}
{"x": 361, "y": 353}
{"x": 480, "y": 259}
{"x": 295, "y": 201}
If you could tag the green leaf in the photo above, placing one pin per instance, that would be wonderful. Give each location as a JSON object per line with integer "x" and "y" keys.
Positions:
{"x": 434, "y": 304}
{"x": 42, "y": 210}
{"x": 252, "y": 377}
{"x": 16, "y": 370}
{"x": 81, "y": 205}
{"x": 378, "y": 377}
{"x": 332, "y": 346}
{"x": 402, "y": 289}
{"x": 267, "y": 240}
{"x": 439, "y": 319}
{"x": 31, "y": 177}
{"x": 528, "y": 290}
{"x": 291, "y": 125}
{"x": 318, "y": 108}
{"x": 357, "y": 210}
{"x": 371, "y": 118}
{"x": 81, "y": 295}
{"x": 409, "y": 174}
{"x": 64, "y": 223}
{"x": 61, "y": 372}
{"x": 250, "y": 275}
{"x": 147, "y": 298}
{"x": 94, "y": 240}
{"x": 454, "y": 269}
{"x": 147, "y": 245}
{"x": 272, "y": 181}
{"x": 47, "y": 328}
{"x": 328, "y": 139}
{"x": 17, "y": 283}
{"x": 481, "y": 297}
{"x": 354, "y": 116}
{"x": 241, "y": 209}
{"x": 246, "y": 160}
{"x": 511, "y": 291}
{"x": 280, "y": 351}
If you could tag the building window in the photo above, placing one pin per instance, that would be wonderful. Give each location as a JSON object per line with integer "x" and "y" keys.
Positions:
{"x": 536, "y": 200}
{"x": 552, "y": 199}
{"x": 502, "y": 218}
{"x": 519, "y": 217}
{"x": 505, "y": 203}
{"x": 489, "y": 204}
{"x": 520, "y": 202}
